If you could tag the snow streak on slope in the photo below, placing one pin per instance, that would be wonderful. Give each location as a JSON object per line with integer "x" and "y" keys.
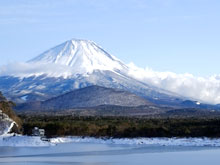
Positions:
{"x": 6, "y": 125}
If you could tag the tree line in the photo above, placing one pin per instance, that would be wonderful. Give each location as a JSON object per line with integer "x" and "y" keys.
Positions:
{"x": 122, "y": 126}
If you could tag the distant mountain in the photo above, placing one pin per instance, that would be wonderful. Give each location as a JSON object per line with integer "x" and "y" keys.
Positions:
{"x": 92, "y": 96}
{"x": 76, "y": 64}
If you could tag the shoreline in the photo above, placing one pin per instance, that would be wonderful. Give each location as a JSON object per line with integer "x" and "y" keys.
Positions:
{"x": 34, "y": 141}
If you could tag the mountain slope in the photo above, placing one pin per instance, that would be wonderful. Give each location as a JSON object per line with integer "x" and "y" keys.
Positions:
{"x": 42, "y": 87}
{"x": 91, "y": 96}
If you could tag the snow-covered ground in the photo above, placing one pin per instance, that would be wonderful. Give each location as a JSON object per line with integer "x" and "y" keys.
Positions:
{"x": 33, "y": 141}
{"x": 143, "y": 141}
{"x": 23, "y": 141}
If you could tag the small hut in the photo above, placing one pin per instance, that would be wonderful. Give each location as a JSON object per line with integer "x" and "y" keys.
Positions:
{"x": 38, "y": 132}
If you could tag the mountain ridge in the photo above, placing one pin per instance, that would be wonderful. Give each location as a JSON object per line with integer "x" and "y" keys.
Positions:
{"x": 91, "y": 96}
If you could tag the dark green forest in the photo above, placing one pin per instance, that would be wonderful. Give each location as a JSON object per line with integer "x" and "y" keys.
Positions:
{"x": 122, "y": 126}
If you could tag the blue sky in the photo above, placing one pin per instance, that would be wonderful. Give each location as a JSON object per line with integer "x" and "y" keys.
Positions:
{"x": 166, "y": 35}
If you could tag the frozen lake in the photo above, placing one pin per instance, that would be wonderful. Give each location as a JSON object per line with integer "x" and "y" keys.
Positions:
{"x": 90, "y": 153}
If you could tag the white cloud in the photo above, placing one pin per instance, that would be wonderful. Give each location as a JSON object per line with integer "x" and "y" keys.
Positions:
{"x": 188, "y": 85}
{"x": 20, "y": 69}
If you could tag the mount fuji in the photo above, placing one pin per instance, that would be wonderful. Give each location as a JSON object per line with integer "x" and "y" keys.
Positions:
{"x": 82, "y": 56}
{"x": 72, "y": 65}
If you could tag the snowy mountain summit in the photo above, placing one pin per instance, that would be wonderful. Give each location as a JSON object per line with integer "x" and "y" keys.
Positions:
{"x": 83, "y": 56}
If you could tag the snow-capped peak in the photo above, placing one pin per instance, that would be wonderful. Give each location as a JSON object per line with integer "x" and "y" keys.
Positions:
{"x": 83, "y": 56}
